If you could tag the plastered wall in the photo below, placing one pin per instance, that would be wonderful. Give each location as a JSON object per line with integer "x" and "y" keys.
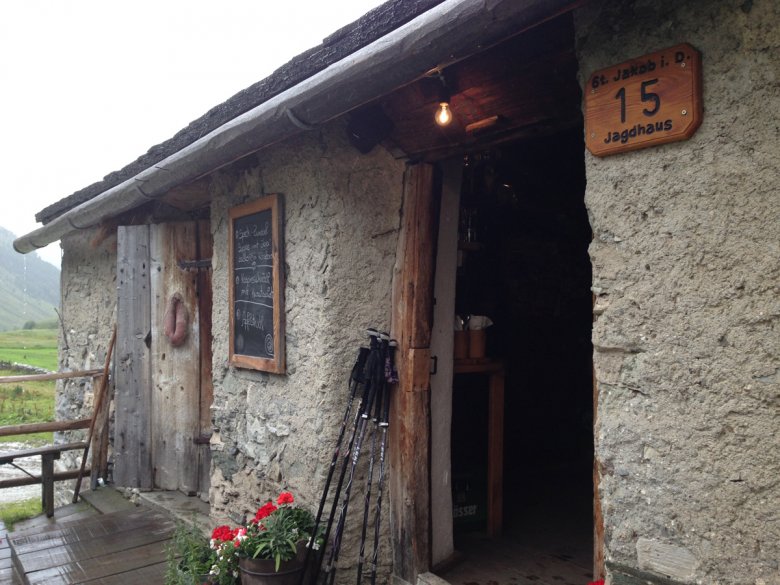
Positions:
{"x": 686, "y": 277}
{"x": 341, "y": 228}
{"x": 88, "y": 289}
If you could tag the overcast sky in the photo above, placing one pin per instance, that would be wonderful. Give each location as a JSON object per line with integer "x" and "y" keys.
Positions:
{"x": 88, "y": 86}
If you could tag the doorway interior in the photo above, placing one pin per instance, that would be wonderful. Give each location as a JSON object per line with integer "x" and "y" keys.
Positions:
{"x": 523, "y": 261}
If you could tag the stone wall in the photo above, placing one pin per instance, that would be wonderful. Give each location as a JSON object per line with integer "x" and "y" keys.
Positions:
{"x": 341, "y": 228}
{"x": 88, "y": 303}
{"x": 686, "y": 273}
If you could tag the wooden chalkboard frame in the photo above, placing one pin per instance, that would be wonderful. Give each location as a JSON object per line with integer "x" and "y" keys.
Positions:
{"x": 275, "y": 204}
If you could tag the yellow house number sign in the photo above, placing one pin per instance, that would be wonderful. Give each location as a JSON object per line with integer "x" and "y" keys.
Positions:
{"x": 643, "y": 102}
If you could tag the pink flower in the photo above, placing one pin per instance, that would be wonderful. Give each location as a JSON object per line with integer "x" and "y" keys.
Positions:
{"x": 285, "y": 498}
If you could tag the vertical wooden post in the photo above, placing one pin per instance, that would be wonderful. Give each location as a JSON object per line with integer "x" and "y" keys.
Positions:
{"x": 410, "y": 424}
{"x": 47, "y": 482}
{"x": 132, "y": 437}
{"x": 204, "y": 252}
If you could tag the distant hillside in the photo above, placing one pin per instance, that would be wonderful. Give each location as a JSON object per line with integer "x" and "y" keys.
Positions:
{"x": 20, "y": 273}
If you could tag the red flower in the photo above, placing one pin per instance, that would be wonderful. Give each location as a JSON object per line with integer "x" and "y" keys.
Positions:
{"x": 264, "y": 511}
{"x": 285, "y": 498}
{"x": 599, "y": 582}
{"x": 223, "y": 533}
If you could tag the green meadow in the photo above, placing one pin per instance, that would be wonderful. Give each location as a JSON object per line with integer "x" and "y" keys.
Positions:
{"x": 27, "y": 402}
{"x": 35, "y": 347}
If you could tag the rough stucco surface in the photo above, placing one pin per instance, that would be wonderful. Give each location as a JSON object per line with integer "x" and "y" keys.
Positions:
{"x": 88, "y": 303}
{"x": 341, "y": 230}
{"x": 685, "y": 264}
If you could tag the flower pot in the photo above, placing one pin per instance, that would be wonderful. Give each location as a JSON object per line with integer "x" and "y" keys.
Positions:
{"x": 262, "y": 571}
{"x": 477, "y": 343}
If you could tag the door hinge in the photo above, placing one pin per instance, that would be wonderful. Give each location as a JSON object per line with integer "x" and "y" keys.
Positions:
{"x": 203, "y": 439}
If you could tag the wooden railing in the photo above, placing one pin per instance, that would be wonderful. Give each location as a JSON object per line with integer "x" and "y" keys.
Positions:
{"x": 50, "y": 453}
{"x": 52, "y": 376}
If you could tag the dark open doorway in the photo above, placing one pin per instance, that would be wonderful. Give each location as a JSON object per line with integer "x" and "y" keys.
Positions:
{"x": 523, "y": 261}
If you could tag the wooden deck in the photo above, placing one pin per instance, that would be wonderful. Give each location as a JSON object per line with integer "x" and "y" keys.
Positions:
{"x": 110, "y": 544}
{"x": 121, "y": 547}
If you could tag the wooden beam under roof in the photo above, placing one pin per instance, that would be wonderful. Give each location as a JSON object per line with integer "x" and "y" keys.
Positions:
{"x": 528, "y": 82}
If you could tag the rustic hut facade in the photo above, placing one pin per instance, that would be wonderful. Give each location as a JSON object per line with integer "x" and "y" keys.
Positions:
{"x": 623, "y": 239}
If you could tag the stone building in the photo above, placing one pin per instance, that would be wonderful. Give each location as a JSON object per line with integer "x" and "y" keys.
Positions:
{"x": 627, "y": 401}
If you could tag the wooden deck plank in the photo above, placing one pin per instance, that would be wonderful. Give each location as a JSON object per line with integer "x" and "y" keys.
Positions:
{"x": 87, "y": 533}
{"x": 142, "y": 576}
{"x": 64, "y": 516}
{"x": 127, "y": 546}
{"x": 80, "y": 522}
{"x": 103, "y": 566}
{"x": 74, "y": 536}
{"x": 84, "y": 550}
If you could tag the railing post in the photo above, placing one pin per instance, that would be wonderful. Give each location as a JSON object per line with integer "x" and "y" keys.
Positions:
{"x": 47, "y": 482}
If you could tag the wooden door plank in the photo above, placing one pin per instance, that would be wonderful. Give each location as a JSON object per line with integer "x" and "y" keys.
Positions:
{"x": 410, "y": 422}
{"x": 205, "y": 251}
{"x": 442, "y": 346}
{"x": 103, "y": 566}
{"x": 132, "y": 437}
{"x": 175, "y": 369}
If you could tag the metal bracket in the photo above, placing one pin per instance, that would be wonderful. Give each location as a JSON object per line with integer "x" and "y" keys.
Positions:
{"x": 194, "y": 264}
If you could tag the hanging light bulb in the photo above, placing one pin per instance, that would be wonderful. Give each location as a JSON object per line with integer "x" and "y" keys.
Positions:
{"x": 443, "y": 114}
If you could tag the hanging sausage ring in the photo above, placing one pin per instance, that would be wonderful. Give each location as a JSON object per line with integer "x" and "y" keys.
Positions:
{"x": 176, "y": 320}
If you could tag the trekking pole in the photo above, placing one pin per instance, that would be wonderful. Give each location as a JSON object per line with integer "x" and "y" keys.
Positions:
{"x": 373, "y": 371}
{"x": 372, "y": 357}
{"x": 391, "y": 377}
{"x": 378, "y": 402}
{"x": 355, "y": 377}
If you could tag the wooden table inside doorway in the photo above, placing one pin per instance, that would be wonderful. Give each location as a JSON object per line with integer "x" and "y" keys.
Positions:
{"x": 495, "y": 475}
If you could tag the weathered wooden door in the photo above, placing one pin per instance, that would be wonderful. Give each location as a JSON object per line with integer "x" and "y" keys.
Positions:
{"x": 163, "y": 382}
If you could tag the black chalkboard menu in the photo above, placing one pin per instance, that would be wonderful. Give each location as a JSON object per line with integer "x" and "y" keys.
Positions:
{"x": 256, "y": 285}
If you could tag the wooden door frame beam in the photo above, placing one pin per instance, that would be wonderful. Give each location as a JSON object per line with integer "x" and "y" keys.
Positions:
{"x": 412, "y": 322}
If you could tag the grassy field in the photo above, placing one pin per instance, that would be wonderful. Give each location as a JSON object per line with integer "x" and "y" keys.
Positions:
{"x": 16, "y": 511}
{"x": 28, "y": 401}
{"x": 35, "y": 347}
